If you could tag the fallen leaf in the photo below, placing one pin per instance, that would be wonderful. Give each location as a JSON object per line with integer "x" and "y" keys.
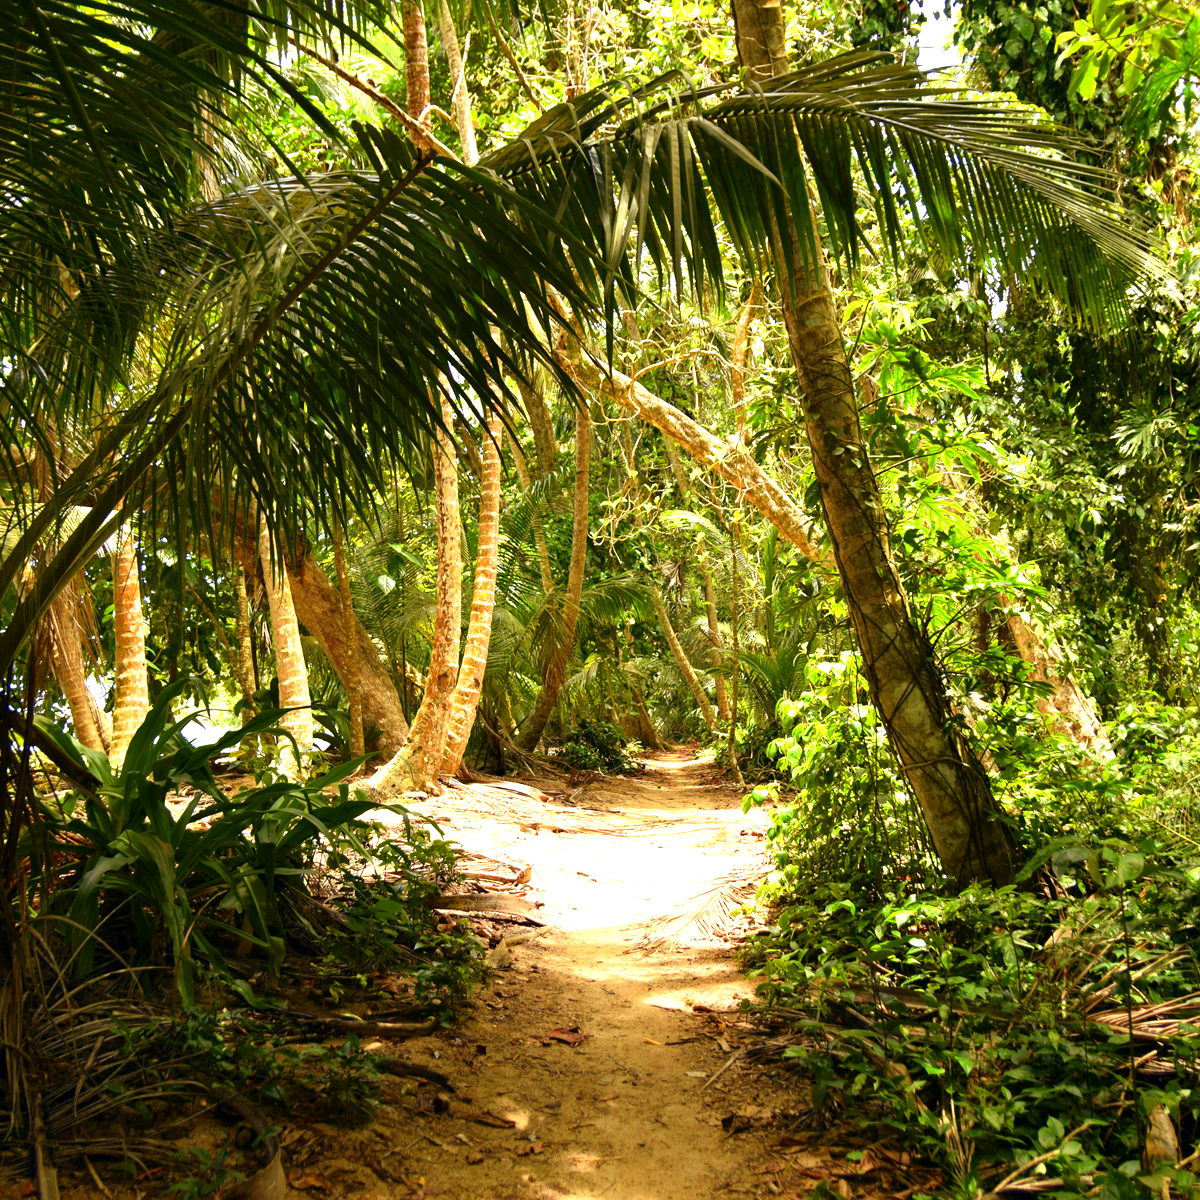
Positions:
{"x": 569, "y": 1037}
{"x": 697, "y": 1074}
{"x": 524, "y": 1150}
{"x": 652, "y": 1042}
{"x": 304, "y": 1183}
{"x": 525, "y": 876}
{"x": 474, "y": 1158}
{"x": 582, "y": 1125}
{"x": 601, "y": 1099}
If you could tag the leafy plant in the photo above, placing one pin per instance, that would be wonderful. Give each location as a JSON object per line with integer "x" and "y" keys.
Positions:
{"x": 179, "y": 867}
{"x": 598, "y": 746}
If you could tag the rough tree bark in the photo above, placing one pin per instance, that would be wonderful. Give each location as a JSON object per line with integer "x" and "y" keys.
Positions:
{"x": 352, "y": 681}
{"x": 416, "y": 67}
{"x": 319, "y": 609}
{"x": 290, "y": 667}
{"x": 731, "y": 462}
{"x": 66, "y": 659}
{"x": 948, "y": 780}
{"x": 131, "y": 700}
{"x": 483, "y": 603}
{"x": 556, "y": 668}
{"x": 415, "y": 767}
{"x": 681, "y": 659}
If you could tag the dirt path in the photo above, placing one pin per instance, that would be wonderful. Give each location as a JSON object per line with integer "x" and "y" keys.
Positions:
{"x": 633, "y": 1112}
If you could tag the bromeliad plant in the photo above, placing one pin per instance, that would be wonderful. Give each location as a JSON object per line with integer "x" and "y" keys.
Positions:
{"x": 182, "y": 867}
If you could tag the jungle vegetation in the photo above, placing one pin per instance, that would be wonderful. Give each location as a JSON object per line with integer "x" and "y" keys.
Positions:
{"x": 390, "y": 392}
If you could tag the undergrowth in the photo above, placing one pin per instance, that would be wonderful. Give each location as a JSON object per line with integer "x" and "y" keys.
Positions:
{"x": 1044, "y": 1032}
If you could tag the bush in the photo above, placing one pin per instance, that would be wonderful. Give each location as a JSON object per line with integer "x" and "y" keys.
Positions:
{"x": 598, "y": 746}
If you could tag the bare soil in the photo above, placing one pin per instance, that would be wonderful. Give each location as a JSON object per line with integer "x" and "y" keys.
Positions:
{"x": 655, "y": 1102}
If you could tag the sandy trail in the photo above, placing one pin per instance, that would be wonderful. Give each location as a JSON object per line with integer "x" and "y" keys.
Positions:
{"x": 623, "y": 1115}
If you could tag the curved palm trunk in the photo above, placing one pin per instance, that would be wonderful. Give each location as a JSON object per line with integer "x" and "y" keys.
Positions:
{"x": 948, "y": 780}
{"x": 318, "y": 607}
{"x": 416, "y": 766}
{"x": 556, "y": 669}
{"x": 681, "y": 659}
{"x": 289, "y": 663}
{"x": 483, "y": 602}
{"x": 132, "y": 692}
{"x": 66, "y": 659}
{"x": 730, "y": 462}
{"x": 353, "y": 683}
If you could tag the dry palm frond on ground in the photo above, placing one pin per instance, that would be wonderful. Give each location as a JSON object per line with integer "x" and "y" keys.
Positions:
{"x": 709, "y": 916}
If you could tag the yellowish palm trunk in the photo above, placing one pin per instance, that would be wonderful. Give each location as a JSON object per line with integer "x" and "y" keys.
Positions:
{"x": 415, "y": 767}
{"x": 681, "y": 659}
{"x": 483, "y": 603}
{"x": 66, "y": 658}
{"x": 352, "y": 681}
{"x": 289, "y": 664}
{"x": 132, "y": 690}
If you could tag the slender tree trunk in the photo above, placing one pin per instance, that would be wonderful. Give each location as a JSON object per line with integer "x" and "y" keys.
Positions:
{"x": 352, "y": 681}
{"x": 460, "y": 98}
{"x": 245, "y": 651}
{"x": 415, "y": 768}
{"x": 948, "y": 780}
{"x": 66, "y": 657}
{"x": 732, "y": 463}
{"x": 542, "y": 425}
{"x": 132, "y": 691}
{"x": 483, "y": 602}
{"x": 318, "y": 607}
{"x": 289, "y": 662}
{"x": 416, "y": 65}
{"x": 648, "y": 735}
{"x": 535, "y": 521}
{"x": 556, "y": 669}
{"x": 737, "y": 372}
{"x": 735, "y": 545}
{"x": 681, "y": 659}
{"x": 1070, "y": 710}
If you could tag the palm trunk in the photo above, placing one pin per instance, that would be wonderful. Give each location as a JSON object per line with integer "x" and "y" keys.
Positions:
{"x": 535, "y": 520}
{"x": 681, "y": 659}
{"x": 415, "y": 768}
{"x": 460, "y": 98}
{"x": 949, "y": 782}
{"x": 352, "y": 681}
{"x": 542, "y": 425}
{"x": 132, "y": 691}
{"x": 483, "y": 603}
{"x": 245, "y": 652}
{"x": 730, "y": 462}
{"x": 66, "y": 658}
{"x": 714, "y": 638}
{"x": 710, "y": 598}
{"x": 416, "y": 66}
{"x": 289, "y": 663}
{"x": 556, "y": 669}
{"x": 318, "y": 607}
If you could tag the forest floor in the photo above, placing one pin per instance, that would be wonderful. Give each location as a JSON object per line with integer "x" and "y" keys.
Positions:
{"x": 642, "y": 1092}
{"x": 635, "y": 1111}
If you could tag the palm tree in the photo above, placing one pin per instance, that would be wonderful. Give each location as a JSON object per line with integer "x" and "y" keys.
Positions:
{"x": 286, "y": 288}
{"x": 131, "y": 700}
